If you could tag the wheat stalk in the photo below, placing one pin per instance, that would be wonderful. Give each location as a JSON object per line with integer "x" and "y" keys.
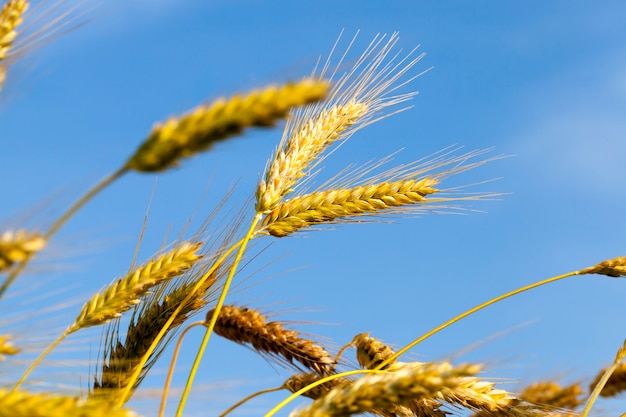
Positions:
{"x": 327, "y": 206}
{"x": 26, "y": 404}
{"x": 10, "y": 19}
{"x": 198, "y": 130}
{"x": 246, "y": 326}
{"x": 16, "y": 246}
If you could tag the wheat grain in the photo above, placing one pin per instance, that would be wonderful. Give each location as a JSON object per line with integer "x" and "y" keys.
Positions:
{"x": 126, "y": 292}
{"x": 553, "y": 394}
{"x": 10, "y": 19}
{"x": 26, "y": 404}
{"x": 6, "y": 347}
{"x": 16, "y": 246}
{"x": 616, "y": 383}
{"x": 328, "y": 206}
{"x": 198, "y": 130}
{"x": 371, "y": 352}
{"x": 405, "y": 383}
{"x": 615, "y": 268}
{"x": 247, "y": 326}
{"x": 355, "y": 99}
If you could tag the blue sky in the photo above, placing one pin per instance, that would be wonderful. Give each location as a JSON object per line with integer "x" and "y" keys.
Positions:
{"x": 544, "y": 84}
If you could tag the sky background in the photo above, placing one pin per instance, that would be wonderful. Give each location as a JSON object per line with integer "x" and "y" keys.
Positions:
{"x": 544, "y": 83}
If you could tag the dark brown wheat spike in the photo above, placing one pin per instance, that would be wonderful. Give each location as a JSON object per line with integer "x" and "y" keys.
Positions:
{"x": 616, "y": 383}
{"x": 248, "y": 327}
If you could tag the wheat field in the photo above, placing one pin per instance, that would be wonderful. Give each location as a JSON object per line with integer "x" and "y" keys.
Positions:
{"x": 209, "y": 207}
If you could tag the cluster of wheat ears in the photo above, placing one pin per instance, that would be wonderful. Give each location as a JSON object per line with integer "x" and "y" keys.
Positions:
{"x": 193, "y": 276}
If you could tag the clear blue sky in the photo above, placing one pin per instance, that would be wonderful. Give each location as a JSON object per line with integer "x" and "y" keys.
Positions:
{"x": 544, "y": 83}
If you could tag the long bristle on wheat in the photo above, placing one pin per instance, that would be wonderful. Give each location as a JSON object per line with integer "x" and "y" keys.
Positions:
{"x": 122, "y": 356}
{"x": 10, "y": 18}
{"x": 353, "y": 102}
{"x": 27, "y": 404}
{"x": 127, "y": 291}
{"x": 405, "y": 383}
{"x": 184, "y": 136}
{"x": 16, "y": 246}
{"x": 332, "y": 205}
{"x": 246, "y": 326}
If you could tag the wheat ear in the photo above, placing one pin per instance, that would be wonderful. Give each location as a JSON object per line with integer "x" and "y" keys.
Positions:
{"x": 198, "y": 130}
{"x": 405, "y": 383}
{"x": 614, "y": 268}
{"x": 352, "y": 103}
{"x": 371, "y": 352}
{"x": 553, "y": 394}
{"x": 122, "y": 357}
{"x": 249, "y": 327}
{"x": 26, "y": 404}
{"x": 124, "y": 293}
{"x": 616, "y": 383}
{"x": 328, "y": 206}
{"x": 10, "y": 19}
{"x": 6, "y": 347}
{"x": 16, "y": 246}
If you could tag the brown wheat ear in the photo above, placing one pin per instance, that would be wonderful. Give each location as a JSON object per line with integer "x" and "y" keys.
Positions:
{"x": 298, "y": 381}
{"x": 126, "y": 292}
{"x": 197, "y": 131}
{"x": 10, "y": 19}
{"x": 248, "y": 327}
{"x": 16, "y": 246}
{"x": 615, "y": 268}
{"x": 371, "y": 352}
{"x": 553, "y": 394}
{"x": 616, "y": 383}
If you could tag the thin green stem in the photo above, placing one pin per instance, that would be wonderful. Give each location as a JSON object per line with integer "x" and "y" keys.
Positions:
{"x": 470, "y": 312}
{"x": 170, "y": 372}
{"x": 218, "y": 307}
{"x": 40, "y": 358}
{"x": 62, "y": 220}
{"x": 126, "y": 392}
{"x": 605, "y": 378}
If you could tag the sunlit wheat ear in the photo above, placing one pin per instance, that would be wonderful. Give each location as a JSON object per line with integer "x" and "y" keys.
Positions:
{"x": 16, "y": 246}
{"x": 615, "y": 268}
{"x": 6, "y": 347}
{"x": 298, "y": 381}
{"x": 27, "y": 404}
{"x": 249, "y": 327}
{"x": 10, "y": 18}
{"x": 553, "y": 394}
{"x": 616, "y": 383}
{"x": 127, "y": 291}
{"x": 332, "y": 205}
{"x": 122, "y": 356}
{"x": 371, "y": 352}
{"x": 198, "y": 130}
{"x": 356, "y": 99}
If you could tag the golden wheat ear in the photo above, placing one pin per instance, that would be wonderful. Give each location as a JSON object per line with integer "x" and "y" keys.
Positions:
{"x": 27, "y": 404}
{"x": 550, "y": 393}
{"x": 17, "y": 246}
{"x": 10, "y": 18}
{"x": 198, "y": 130}
{"x": 616, "y": 384}
{"x": 249, "y": 327}
{"x": 6, "y": 347}
{"x": 614, "y": 268}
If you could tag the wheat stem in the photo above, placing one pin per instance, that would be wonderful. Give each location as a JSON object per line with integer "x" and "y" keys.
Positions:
{"x": 470, "y": 312}
{"x": 220, "y": 302}
{"x": 621, "y": 353}
{"x": 40, "y": 358}
{"x": 170, "y": 371}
